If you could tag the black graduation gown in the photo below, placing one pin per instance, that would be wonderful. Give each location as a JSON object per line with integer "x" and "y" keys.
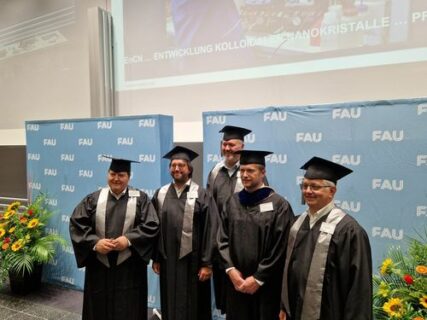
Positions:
{"x": 221, "y": 190}
{"x": 182, "y": 295}
{"x": 347, "y": 286}
{"x": 118, "y": 292}
{"x": 254, "y": 242}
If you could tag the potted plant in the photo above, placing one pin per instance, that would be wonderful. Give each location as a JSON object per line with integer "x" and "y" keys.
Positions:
{"x": 400, "y": 287}
{"x": 24, "y": 244}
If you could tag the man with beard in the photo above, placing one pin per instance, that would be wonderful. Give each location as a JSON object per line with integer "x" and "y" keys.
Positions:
{"x": 113, "y": 231}
{"x": 223, "y": 181}
{"x": 188, "y": 224}
{"x": 328, "y": 269}
{"x": 252, "y": 242}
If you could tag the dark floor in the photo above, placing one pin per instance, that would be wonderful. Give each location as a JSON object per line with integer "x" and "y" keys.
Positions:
{"x": 50, "y": 302}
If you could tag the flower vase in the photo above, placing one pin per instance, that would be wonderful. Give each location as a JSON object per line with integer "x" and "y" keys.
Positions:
{"x": 25, "y": 283}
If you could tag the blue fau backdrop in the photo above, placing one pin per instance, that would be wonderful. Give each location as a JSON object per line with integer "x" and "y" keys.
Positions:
{"x": 64, "y": 161}
{"x": 384, "y": 142}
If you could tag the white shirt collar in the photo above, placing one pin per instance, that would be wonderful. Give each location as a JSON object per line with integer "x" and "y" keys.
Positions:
{"x": 321, "y": 213}
{"x": 179, "y": 191}
{"x": 120, "y": 195}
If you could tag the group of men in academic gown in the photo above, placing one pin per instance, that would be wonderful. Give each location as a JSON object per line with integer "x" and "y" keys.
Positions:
{"x": 250, "y": 233}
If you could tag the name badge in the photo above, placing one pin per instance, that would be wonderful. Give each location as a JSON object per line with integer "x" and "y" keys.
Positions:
{"x": 263, "y": 207}
{"x": 327, "y": 228}
{"x": 192, "y": 195}
{"x": 133, "y": 193}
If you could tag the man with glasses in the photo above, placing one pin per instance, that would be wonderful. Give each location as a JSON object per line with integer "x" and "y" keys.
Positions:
{"x": 188, "y": 226}
{"x": 328, "y": 268}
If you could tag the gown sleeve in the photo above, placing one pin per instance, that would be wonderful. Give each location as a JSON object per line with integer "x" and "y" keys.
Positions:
{"x": 210, "y": 228}
{"x": 357, "y": 270}
{"x": 82, "y": 230}
{"x": 146, "y": 227}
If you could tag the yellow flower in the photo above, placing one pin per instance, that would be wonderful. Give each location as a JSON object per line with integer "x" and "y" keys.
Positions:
{"x": 386, "y": 266}
{"x": 421, "y": 269}
{"x": 418, "y": 318}
{"x": 8, "y": 214}
{"x": 2, "y": 232}
{"x": 33, "y": 223}
{"x": 394, "y": 308}
{"x": 13, "y": 206}
{"x": 423, "y": 301}
{"x": 12, "y": 229}
{"x": 383, "y": 290}
{"x": 17, "y": 245}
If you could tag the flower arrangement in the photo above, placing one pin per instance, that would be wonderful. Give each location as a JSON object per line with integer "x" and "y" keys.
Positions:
{"x": 400, "y": 288}
{"x": 23, "y": 242}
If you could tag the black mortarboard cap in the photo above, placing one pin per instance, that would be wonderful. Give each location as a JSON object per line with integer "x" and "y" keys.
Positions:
{"x": 120, "y": 165}
{"x": 253, "y": 156}
{"x": 318, "y": 168}
{"x": 232, "y": 132}
{"x": 181, "y": 153}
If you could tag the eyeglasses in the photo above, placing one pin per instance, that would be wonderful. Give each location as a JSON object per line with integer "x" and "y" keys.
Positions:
{"x": 312, "y": 187}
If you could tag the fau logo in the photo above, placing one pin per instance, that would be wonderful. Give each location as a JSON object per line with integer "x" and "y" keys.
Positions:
{"x": 346, "y": 159}
{"x": 67, "y": 279}
{"x": 250, "y": 138}
{"x": 387, "y": 233}
{"x": 86, "y": 173}
{"x": 147, "y": 158}
{"x": 275, "y": 116}
{"x": 216, "y": 119}
{"x": 104, "y": 125}
{"x": 33, "y": 156}
{"x": 350, "y": 206}
{"x": 52, "y": 202}
{"x": 421, "y": 211}
{"x": 352, "y": 113}
{"x": 67, "y": 157}
{"x": 394, "y": 135}
{"x": 147, "y": 123}
{"x": 66, "y": 126}
{"x": 101, "y": 157}
{"x": 385, "y": 184}
{"x": 49, "y": 142}
{"x": 125, "y": 141}
{"x": 422, "y": 108}
{"x": 51, "y": 231}
{"x": 67, "y": 188}
{"x": 277, "y": 158}
{"x": 34, "y": 185}
{"x": 421, "y": 160}
{"x": 214, "y": 158}
{"x": 85, "y": 141}
{"x": 107, "y": 125}
{"x": 33, "y": 127}
{"x": 315, "y": 137}
{"x": 65, "y": 218}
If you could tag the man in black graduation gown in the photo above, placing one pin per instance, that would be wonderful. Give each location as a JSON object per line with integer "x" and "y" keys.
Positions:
{"x": 252, "y": 243}
{"x": 113, "y": 231}
{"x": 188, "y": 218}
{"x": 223, "y": 181}
{"x": 328, "y": 269}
